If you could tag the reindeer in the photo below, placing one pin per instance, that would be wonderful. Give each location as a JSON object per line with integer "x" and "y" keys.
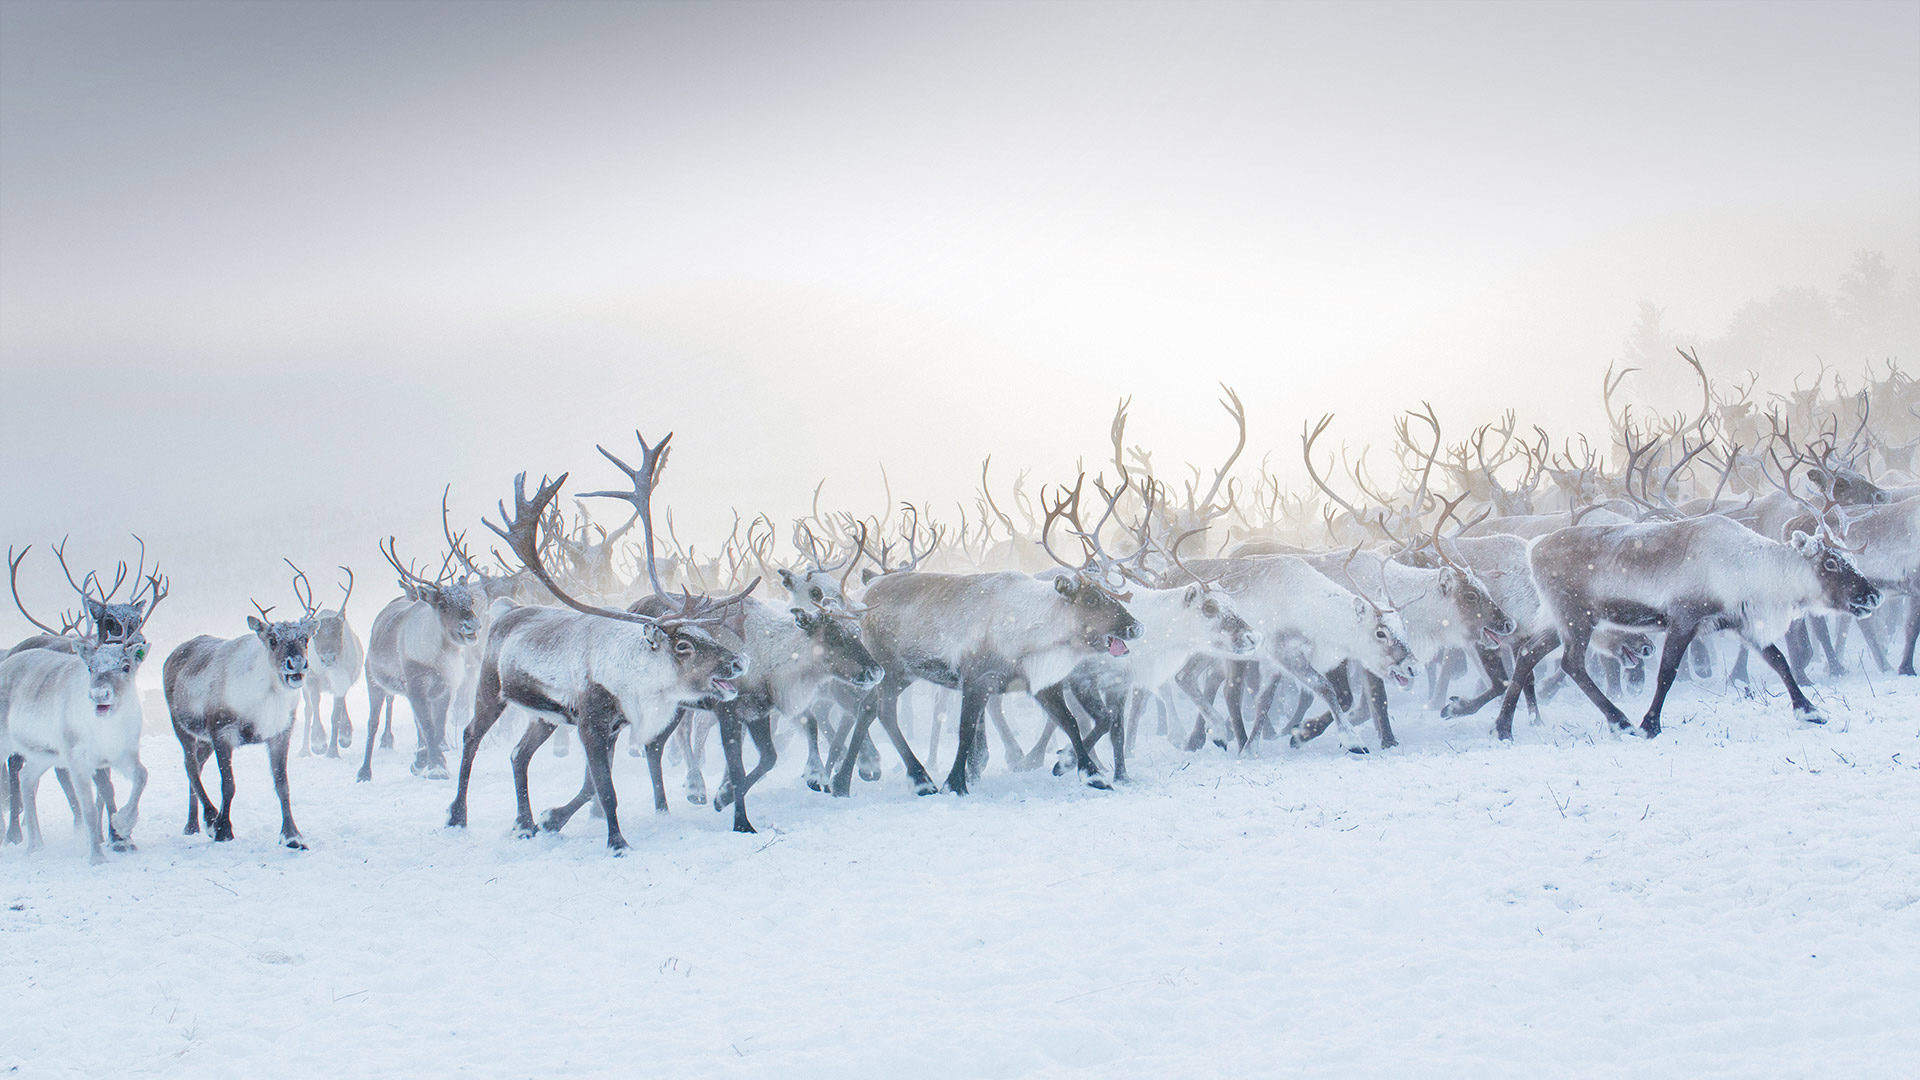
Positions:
{"x": 595, "y": 669}
{"x": 423, "y": 647}
{"x": 1681, "y": 577}
{"x": 113, "y": 624}
{"x": 336, "y": 656}
{"x": 1309, "y": 625}
{"x": 78, "y": 710}
{"x": 981, "y": 634}
{"x": 790, "y": 656}
{"x": 226, "y": 694}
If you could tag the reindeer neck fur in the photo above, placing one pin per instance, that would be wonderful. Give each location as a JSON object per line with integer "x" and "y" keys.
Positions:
{"x": 557, "y": 656}
{"x": 1888, "y": 538}
{"x": 45, "y": 712}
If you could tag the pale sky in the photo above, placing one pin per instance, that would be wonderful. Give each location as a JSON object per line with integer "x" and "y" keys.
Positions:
{"x": 272, "y": 274}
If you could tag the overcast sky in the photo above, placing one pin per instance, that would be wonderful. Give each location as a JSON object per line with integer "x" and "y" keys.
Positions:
{"x": 272, "y": 274}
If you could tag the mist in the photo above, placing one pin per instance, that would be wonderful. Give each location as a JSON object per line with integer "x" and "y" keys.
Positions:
{"x": 271, "y": 276}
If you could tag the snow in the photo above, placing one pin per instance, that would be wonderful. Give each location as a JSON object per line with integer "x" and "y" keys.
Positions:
{"x": 1740, "y": 897}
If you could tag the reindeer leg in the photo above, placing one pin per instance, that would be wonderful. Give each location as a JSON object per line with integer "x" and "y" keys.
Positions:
{"x": 222, "y": 825}
{"x": 1573, "y": 659}
{"x": 1679, "y": 637}
{"x": 1913, "y": 635}
{"x": 73, "y": 797}
{"x": 277, "y": 749}
{"x": 973, "y": 707}
{"x": 1832, "y": 643}
{"x": 1524, "y": 661}
{"x": 195, "y": 754}
{"x": 1377, "y": 692}
{"x": 121, "y": 821}
{"x": 1053, "y": 700}
{"x": 1873, "y": 632}
{"x": 916, "y": 773}
{"x": 29, "y": 782}
{"x": 1236, "y": 694}
{"x": 1702, "y": 657}
{"x": 342, "y": 724}
{"x": 556, "y": 818}
{"x": 539, "y": 730}
{"x": 1451, "y": 665}
{"x": 386, "y": 735}
{"x": 760, "y": 728}
{"x": 598, "y": 730}
{"x": 847, "y": 739}
{"x": 656, "y": 748}
{"x": 1016, "y": 755}
{"x": 933, "y": 736}
{"x": 90, "y": 809}
{"x": 13, "y": 765}
{"x": 1113, "y": 705}
{"x": 1799, "y": 649}
{"x": 815, "y": 773}
{"x": 488, "y": 704}
{"x": 376, "y": 699}
{"x": 693, "y": 745}
{"x": 731, "y": 725}
{"x": 1495, "y": 670}
{"x": 1803, "y": 710}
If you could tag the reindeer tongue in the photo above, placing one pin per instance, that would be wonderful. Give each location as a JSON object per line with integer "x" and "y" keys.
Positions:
{"x": 1116, "y": 647}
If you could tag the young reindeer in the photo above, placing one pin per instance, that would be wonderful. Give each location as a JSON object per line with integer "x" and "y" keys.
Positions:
{"x": 336, "y": 656}
{"x": 1681, "y": 577}
{"x": 423, "y": 647}
{"x": 226, "y": 694}
{"x": 595, "y": 669}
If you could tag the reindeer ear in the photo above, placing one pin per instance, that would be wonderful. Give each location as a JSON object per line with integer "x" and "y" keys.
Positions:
{"x": 1818, "y": 476}
{"x": 786, "y": 578}
{"x": 1063, "y": 585}
{"x": 95, "y": 608}
{"x": 655, "y": 637}
{"x": 1804, "y": 544}
{"x": 1446, "y": 584}
{"x": 1359, "y": 607}
{"x": 256, "y": 625}
{"x": 1193, "y": 595}
{"x": 867, "y": 576}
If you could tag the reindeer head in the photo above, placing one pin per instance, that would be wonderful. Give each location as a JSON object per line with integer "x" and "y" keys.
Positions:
{"x": 1105, "y": 625}
{"x": 110, "y": 670}
{"x": 1845, "y": 487}
{"x": 812, "y": 590}
{"x": 836, "y": 640}
{"x": 705, "y": 666}
{"x": 286, "y": 644}
{"x": 1841, "y": 585}
{"x": 1479, "y": 616}
{"x": 462, "y": 610}
{"x": 1381, "y": 643}
{"x": 1227, "y": 634}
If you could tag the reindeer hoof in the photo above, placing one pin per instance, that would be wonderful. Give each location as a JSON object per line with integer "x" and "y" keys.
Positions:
{"x": 724, "y": 797}
{"x": 525, "y": 832}
{"x": 1358, "y": 750}
{"x": 617, "y": 847}
{"x": 1650, "y": 728}
{"x": 552, "y": 822}
{"x": 869, "y": 773}
{"x": 293, "y": 843}
{"x": 1097, "y": 783}
{"x": 122, "y": 845}
{"x": 924, "y": 787}
{"x": 1451, "y": 708}
{"x": 744, "y": 827}
{"x": 363, "y": 776}
{"x": 697, "y": 798}
{"x": 221, "y": 836}
{"x": 1809, "y": 716}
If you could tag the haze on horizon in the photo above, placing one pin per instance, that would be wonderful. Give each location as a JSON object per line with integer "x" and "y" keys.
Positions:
{"x": 271, "y": 275}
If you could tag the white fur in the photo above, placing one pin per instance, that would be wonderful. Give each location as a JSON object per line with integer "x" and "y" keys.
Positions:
{"x": 48, "y": 716}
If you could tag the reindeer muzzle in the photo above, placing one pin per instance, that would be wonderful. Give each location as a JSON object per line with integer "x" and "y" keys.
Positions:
{"x": 102, "y": 698}
{"x": 1862, "y": 606}
{"x": 1116, "y": 646}
{"x": 869, "y": 677}
{"x": 1246, "y": 642}
{"x": 724, "y": 689}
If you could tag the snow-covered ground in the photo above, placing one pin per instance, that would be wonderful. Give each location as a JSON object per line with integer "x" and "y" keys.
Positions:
{"x": 1740, "y": 897}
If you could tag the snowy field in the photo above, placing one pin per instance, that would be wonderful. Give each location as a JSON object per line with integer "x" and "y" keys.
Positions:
{"x": 1740, "y": 897}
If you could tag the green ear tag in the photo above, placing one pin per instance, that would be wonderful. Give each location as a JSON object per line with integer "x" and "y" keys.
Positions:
{"x": 140, "y": 653}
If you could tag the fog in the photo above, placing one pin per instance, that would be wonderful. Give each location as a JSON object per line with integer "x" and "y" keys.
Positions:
{"x": 272, "y": 275}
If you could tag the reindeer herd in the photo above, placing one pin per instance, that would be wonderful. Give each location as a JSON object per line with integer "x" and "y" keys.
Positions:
{"x": 1205, "y": 609}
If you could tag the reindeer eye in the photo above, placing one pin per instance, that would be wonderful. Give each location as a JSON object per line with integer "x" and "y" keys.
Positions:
{"x": 1210, "y": 609}
{"x": 683, "y": 647}
{"x": 1381, "y": 634}
{"x": 1833, "y": 564}
{"x": 816, "y": 594}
